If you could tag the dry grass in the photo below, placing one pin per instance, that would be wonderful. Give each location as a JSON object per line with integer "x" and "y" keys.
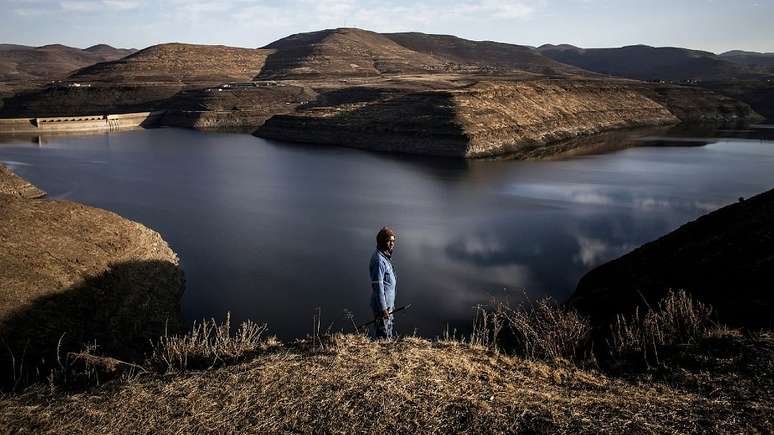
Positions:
{"x": 677, "y": 319}
{"x": 353, "y": 384}
{"x": 546, "y": 331}
{"x": 723, "y": 382}
{"x": 207, "y": 345}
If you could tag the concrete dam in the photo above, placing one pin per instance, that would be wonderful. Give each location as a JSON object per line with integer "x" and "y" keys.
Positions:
{"x": 81, "y": 123}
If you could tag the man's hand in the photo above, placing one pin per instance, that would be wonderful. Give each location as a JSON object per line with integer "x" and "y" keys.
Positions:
{"x": 386, "y": 313}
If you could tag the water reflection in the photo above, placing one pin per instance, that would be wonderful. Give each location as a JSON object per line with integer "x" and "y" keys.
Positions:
{"x": 271, "y": 231}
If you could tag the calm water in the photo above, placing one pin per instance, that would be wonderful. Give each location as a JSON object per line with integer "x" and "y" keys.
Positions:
{"x": 270, "y": 231}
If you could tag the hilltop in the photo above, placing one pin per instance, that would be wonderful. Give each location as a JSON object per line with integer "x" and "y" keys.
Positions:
{"x": 179, "y": 63}
{"x": 343, "y": 52}
{"x": 349, "y": 384}
{"x": 51, "y": 62}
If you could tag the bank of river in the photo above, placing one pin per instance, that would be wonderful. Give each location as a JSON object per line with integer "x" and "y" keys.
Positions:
{"x": 271, "y": 231}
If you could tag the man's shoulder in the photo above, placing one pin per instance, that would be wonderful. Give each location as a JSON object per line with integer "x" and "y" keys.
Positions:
{"x": 378, "y": 257}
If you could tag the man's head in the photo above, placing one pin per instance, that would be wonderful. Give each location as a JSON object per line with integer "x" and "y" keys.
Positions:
{"x": 385, "y": 240}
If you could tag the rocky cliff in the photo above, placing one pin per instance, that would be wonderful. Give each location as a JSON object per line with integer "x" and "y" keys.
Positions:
{"x": 483, "y": 119}
{"x": 70, "y": 274}
{"x": 725, "y": 258}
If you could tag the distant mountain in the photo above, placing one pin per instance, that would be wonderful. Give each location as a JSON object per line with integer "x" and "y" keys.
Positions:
{"x": 106, "y": 51}
{"x": 50, "y": 62}
{"x": 343, "y": 52}
{"x": 749, "y": 57}
{"x": 643, "y": 62}
{"x": 498, "y": 54}
{"x": 177, "y": 62}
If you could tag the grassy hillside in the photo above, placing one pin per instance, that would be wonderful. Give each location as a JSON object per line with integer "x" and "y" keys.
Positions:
{"x": 348, "y": 383}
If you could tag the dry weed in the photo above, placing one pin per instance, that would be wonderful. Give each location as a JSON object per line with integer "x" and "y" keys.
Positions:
{"x": 546, "y": 331}
{"x": 677, "y": 319}
{"x": 207, "y": 345}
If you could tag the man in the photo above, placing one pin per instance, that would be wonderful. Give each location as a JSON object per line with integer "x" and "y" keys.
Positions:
{"x": 383, "y": 283}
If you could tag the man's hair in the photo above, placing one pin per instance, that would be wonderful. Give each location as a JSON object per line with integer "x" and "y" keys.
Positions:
{"x": 383, "y": 236}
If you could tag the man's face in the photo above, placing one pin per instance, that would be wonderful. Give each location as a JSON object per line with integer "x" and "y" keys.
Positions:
{"x": 390, "y": 244}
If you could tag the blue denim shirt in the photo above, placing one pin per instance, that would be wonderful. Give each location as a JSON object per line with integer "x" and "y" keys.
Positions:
{"x": 382, "y": 282}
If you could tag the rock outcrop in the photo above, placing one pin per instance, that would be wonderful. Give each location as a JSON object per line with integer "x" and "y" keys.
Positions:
{"x": 483, "y": 119}
{"x": 725, "y": 259}
{"x": 70, "y": 274}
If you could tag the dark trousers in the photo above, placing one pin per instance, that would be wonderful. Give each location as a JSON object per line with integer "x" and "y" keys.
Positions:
{"x": 383, "y": 327}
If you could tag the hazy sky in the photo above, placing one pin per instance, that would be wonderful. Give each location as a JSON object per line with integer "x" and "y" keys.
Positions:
{"x": 713, "y": 25}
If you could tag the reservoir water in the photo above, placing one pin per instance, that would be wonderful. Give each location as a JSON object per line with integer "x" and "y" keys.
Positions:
{"x": 272, "y": 231}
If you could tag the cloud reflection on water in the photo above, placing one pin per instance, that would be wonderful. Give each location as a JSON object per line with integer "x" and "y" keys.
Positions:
{"x": 271, "y": 231}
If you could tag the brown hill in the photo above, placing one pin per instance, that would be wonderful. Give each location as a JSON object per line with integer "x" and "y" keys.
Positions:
{"x": 343, "y": 52}
{"x": 725, "y": 258}
{"x": 484, "y": 53}
{"x": 642, "y": 62}
{"x": 187, "y": 63}
{"x": 51, "y": 62}
{"x": 71, "y": 274}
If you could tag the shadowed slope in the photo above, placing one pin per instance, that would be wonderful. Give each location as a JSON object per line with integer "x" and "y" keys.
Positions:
{"x": 725, "y": 259}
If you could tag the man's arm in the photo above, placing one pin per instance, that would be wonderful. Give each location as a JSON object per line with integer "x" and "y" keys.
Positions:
{"x": 377, "y": 282}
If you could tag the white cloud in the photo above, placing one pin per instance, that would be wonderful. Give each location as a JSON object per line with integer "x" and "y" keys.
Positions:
{"x": 100, "y": 5}
{"x": 592, "y": 251}
{"x": 121, "y": 5}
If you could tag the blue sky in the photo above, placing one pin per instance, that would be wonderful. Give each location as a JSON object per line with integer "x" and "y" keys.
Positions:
{"x": 711, "y": 25}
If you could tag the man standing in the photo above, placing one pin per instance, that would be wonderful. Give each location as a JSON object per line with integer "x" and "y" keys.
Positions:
{"x": 383, "y": 283}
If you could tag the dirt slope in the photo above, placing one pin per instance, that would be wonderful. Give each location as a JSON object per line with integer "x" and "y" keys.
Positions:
{"x": 87, "y": 273}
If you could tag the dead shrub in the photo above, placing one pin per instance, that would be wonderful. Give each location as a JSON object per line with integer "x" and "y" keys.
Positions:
{"x": 677, "y": 319}
{"x": 540, "y": 330}
{"x": 207, "y": 345}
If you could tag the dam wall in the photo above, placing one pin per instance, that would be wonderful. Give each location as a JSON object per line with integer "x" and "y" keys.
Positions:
{"x": 81, "y": 123}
